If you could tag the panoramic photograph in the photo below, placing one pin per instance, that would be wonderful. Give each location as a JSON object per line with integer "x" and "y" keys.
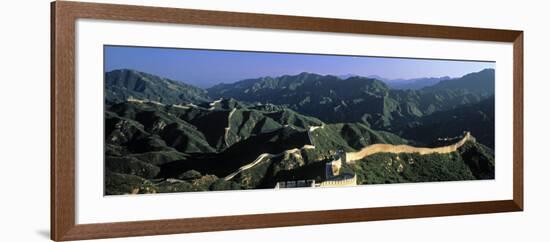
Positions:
{"x": 192, "y": 120}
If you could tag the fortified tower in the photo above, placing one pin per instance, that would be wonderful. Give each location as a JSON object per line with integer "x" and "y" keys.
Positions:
{"x": 332, "y": 168}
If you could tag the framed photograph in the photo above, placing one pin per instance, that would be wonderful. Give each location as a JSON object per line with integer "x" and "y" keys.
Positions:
{"x": 174, "y": 120}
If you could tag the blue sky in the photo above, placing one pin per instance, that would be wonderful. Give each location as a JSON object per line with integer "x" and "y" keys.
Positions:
{"x": 205, "y": 68}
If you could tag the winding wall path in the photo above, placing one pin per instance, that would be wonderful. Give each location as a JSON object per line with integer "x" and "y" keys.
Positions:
{"x": 388, "y": 148}
{"x": 260, "y": 158}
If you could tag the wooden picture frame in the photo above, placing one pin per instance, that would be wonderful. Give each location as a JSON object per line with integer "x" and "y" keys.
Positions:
{"x": 63, "y": 17}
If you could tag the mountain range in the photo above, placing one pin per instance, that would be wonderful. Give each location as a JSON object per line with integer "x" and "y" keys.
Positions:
{"x": 416, "y": 83}
{"x": 401, "y": 83}
{"x": 167, "y": 136}
{"x": 359, "y": 99}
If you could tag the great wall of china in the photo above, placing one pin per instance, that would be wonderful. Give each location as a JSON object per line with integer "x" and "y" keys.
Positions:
{"x": 332, "y": 170}
{"x": 294, "y": 152}
{"x": 345, "y": 181}
{"x": 334, "y": 179}
{"x": 395, "y": 149}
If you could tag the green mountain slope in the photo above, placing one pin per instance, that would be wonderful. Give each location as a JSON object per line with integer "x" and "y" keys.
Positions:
{"x": 472, "y": 161}
{"x": 478, "y": 118}
{"x": 350, "y": 137}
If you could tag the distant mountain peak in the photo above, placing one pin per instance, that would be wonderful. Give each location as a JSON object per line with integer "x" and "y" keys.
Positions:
{"x": 486, "y": 70}
{"x": 415, "y": 83}
{"x": 482, "y": 82}
{"x": 346, "y": 76}
{"x": 124, "y": 83}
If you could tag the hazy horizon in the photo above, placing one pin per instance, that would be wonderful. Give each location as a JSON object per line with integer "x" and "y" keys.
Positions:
{"x": 206, "y": 68}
